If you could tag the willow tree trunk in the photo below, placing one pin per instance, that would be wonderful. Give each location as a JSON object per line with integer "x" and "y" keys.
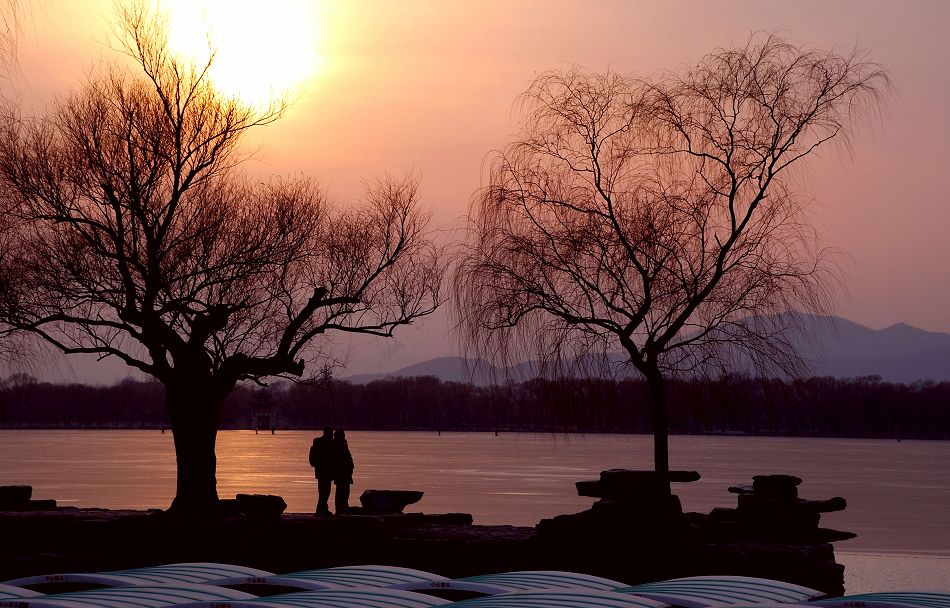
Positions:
{"x": 194, "y": 412}
{"x": 656, "y": 397}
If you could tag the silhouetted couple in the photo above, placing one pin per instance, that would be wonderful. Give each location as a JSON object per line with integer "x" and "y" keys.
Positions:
{"x": 332, "y": 462}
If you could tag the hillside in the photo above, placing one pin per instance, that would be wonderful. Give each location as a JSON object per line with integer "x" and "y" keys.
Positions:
{"x": 835, "y": 347}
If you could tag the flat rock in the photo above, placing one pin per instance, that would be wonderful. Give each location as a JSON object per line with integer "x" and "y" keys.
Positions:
{"x": 633, "y": 477}
{"x": 589, "y": 488}
{"x": 640, "y": 509}
{"x": 631, "y": 486}
{"x": 388, "y": 501}
{"x": 836, "y": 503}
{"x": 776, "y": 486}
{"x": 756, "y": 503}
{"x": 260, "y": 506}
{"x": 776, "y": 480}
{"x": 741, "y": 490}
{"x": 829, "y": 535}
{"x": 14, "y": 498}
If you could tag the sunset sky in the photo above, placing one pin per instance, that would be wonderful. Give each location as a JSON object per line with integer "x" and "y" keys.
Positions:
{"x": 427, "y": 86}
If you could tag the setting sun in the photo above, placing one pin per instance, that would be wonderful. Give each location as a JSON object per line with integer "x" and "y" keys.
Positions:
{"x": 262, "y": 52}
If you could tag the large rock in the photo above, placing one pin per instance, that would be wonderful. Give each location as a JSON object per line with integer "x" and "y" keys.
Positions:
{"x": 776, "y": 486}
{"x": 629, "y": 485}
{"x": 260, "y": 506}
{"x": 615, "y": 525}
{"x": 228, "y": 507}
{"x": 590, "y": 488}
{"x": 632, "y": 477}
{"x": 647, "y": 510}
{"x": 15, "y": 498}
{"x": 775, "y": 480}
{"x": 634, "y": 507}
{"x": 835, "y": 503}
{"x": 781, "y": 514}
{"x": 388, "y": 501}
{"x": 770, "y": 511}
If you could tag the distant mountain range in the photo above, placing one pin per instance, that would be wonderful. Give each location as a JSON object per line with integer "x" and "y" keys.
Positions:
{"x": 837, "y": 347}
{"x": 899, "y": 353}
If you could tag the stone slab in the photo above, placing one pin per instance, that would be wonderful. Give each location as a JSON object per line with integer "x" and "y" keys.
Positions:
{"x": 14, "y": 498}
{"x": 589, "y": 488}
{"x": 776, "y": 486}
{"x": 643, "y": 509}
{"x": 775, "y": 480}
{"x": 388, "y": 501}
{"x": 836, "y": 503}
{"x": 741, "y": 489}
{"x": 633, "y": 477}
{"x": 260, "y": 506}
{"x": 777, "y": 513}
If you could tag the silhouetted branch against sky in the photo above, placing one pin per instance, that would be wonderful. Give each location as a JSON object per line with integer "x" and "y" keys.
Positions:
{"x": 146, "y": 233}
{"x": 13, "y": 346}
{"x": 11, "y": 30}
{"x": 655, "y": 216}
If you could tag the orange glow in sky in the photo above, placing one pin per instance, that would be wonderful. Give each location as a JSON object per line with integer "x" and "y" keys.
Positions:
{"x": 260, "y": 55}
{"x": 427, "y": 86}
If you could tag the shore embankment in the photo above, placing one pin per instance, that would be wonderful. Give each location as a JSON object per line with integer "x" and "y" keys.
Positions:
{"x": 626, "y": 536}
{"x": 82, "y": 540}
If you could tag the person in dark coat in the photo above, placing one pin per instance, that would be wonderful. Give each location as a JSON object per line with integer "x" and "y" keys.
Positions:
{"x": 321, "y": 459}
{"x": 343, "y": 477}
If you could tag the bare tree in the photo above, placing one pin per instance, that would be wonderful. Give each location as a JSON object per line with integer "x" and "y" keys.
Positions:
{"x": 11, "y": 28}
{"x": 142, "y": 242}
{"x": 657, "y": 217}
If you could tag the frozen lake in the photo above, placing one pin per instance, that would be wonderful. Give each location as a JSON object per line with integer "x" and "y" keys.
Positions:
{"x": 898, "y": 492}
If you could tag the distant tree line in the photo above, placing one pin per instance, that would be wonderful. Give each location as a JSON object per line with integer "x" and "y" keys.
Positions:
{"x": 859, "y": 407}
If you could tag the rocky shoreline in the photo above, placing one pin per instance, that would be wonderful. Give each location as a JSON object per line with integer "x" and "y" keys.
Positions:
{"x": 633, "y": 534}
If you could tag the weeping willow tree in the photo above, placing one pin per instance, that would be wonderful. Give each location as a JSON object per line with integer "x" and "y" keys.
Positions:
{"x": 660, "y": 217}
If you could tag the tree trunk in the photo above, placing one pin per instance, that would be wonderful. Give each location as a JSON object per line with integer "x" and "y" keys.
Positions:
{"x": 656, "y": 397}
{"x": 194, "y": 414}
